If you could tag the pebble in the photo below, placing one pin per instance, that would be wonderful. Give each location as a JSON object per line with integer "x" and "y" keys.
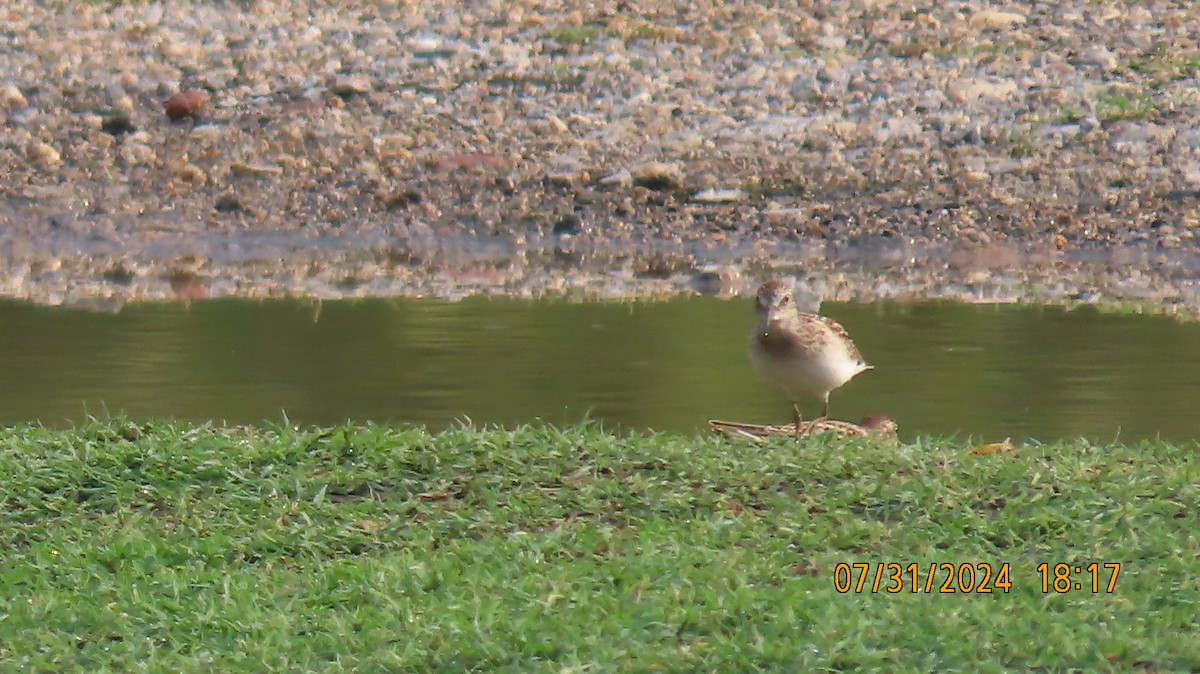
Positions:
{"x": 12, "y": 98}
{"x": 117, "y": 125}
{"x": 138, "y": 153}
{"x": 570, "y": 224}
{"x": 719, "y": 196}
{"x": 42, "y": 154}
{"x": 623, "y": 178}
{"x": 350, "y": 85}
{"x": 229, "y": 203}
{"x": 185, "y": 104}
{"x": 242, "y": 169}
{"x": 993, "y": 19}
{"x": 658, "y": 175}
{"x": 974, "y": 89}
{"x": 193, "y": 174}
{"x": 723, "y": 283}
{"x": 1099, "y": 56}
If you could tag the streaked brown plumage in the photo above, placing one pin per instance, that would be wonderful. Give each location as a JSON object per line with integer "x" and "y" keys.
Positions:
{"x": 804, "y": 354}
{"x": 876, "y": 427}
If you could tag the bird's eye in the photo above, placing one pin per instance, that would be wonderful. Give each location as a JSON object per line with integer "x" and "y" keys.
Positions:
{"x": 784, "y": 300}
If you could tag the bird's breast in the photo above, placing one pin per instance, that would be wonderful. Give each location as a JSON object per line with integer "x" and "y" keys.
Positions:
{"x": 775, "y": 343}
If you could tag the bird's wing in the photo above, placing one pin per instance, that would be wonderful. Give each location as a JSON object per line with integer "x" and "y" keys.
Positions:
{"x": 835, "y": 331}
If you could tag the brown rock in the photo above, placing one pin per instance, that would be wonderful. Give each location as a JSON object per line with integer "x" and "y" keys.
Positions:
{"x": 658, "y": 176}
{"x": 185, "y": 104}
{"x": 187, "y": 286}
{"x": 12, "y": 98}
{"x": 466, "y": 160}
{"x": 347, "y": 86}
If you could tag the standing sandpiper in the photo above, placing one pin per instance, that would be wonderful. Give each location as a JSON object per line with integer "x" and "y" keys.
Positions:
{"x": 802, "y": 353}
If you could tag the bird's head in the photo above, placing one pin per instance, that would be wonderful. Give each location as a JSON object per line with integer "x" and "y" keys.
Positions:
{"x": 774, "y": 299}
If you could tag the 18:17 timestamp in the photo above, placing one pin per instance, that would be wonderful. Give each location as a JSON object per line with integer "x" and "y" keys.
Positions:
{"x": 1063, "y": 578}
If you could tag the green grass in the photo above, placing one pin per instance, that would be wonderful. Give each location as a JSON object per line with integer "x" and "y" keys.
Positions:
{"x": 580, "y": 34}
{"x": 1022, "y": 145}
{"x": 170, "y": 548}
{"x": 1115, "y": 104}
{"x": 1068, "y": 115}
{"x": 1166, "y": 65}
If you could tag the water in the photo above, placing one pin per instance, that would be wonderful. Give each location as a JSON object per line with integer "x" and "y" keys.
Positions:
{"x": 987, "y": 372}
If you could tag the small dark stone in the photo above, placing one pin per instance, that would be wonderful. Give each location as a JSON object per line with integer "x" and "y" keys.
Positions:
{"x": 1182, "y": 195}
{"x": 119, "y": 274}
{"x": 658, "y": 183}
{"x": 587, "y": 197}
{"x": 350, "y": 86}
{"x": 187, "y": 285}
{"x": 348, "y": 282}
{"x": 506, "y": 185}
{"x": 707, "y": 283}
{"x": 399, "y": 255}
{"x": 229, "y": 204}
{"x": 401, "y": 199}
{"x": 567, "y": 258}
{"x": 118, "y": 125}
{"x": 570, "y": 224}
{"x": 660, "y": 265}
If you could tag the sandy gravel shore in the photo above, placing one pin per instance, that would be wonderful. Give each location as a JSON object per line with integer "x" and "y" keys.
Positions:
{"x": 1022, "y": 151}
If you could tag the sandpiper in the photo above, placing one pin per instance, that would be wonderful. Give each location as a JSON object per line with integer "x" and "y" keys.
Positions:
{"x": 804, "y": 354}
{"x": 874, "y": 427}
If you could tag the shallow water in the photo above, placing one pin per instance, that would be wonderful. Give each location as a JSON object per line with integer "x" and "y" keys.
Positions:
{"x": 985, "y": 371}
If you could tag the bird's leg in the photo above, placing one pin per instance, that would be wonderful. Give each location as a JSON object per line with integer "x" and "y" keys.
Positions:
{"x": 796, "y": 419}
{"x": 812, "y": 424}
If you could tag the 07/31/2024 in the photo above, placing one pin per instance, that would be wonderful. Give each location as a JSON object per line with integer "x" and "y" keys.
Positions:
{"x": 979, "y": 578}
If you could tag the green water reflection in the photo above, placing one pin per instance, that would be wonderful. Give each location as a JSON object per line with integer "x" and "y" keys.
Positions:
{"x": 989, "y": 372}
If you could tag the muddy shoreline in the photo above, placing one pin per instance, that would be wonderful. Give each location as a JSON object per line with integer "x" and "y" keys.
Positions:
{"x": 965, "y": 150}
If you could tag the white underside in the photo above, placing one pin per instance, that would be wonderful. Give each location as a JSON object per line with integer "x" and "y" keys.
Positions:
{"x": 802, "y": 377}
